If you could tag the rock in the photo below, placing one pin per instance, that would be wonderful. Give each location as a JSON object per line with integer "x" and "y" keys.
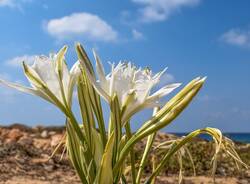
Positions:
{"x": 221, "y": 171}
{"x": 52, "y": 133}
{"x": 20, "y": 160}
{"x": 49, "y": 168}
{"x": 44, "y": 134}
{"x": 244, "y": 182}
{"x": 41, "y": 143}
{"x": 56, "y": 139}
{"x": 39, "y": 160}
{"x": 14, "y": 134}
{"x": 25, "y": 140}
{"x": 248, "y": 173}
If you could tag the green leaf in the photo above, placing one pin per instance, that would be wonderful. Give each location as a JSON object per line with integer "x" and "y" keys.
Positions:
{"x": 95, "y": 98}
{"x": 149, "y": 144}
{"x": 33, "y": 77}
{"x": 85, "y": 108}
{"x": 116, "y": 122}
{"x": 105, "y": 174}
{"x": 60, "y": 61}
{"x": 97, "y": 148}
{"x": 74, "y": 149}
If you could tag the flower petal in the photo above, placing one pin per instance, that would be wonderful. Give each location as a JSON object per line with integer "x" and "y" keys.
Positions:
{"x": 65, "y": 79}
{"x": 33, "y": 77}
{"x": 159, "y": 74}
{"x": 45, "y": 68}
{"x": 163, "y": 91}
{"x": 137, "y": 107}
{"x": 26, "y": 90}
{"x": 99, "y": 68}
{"x": 60, "y": 60}
{"x": 74, "y": 73}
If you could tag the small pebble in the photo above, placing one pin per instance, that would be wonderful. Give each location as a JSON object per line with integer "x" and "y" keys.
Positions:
{"x": 44, "y": 134}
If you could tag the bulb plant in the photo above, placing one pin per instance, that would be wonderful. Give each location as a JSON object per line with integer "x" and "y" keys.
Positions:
{"x": 104, "y": 154}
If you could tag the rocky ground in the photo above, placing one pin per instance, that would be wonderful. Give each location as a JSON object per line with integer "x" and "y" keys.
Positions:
{"x": 25, "y": 152}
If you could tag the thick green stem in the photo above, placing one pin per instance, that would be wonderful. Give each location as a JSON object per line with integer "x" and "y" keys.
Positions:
{"x": 83, "y": 141}
{"x": 99, "y": 117}
{"x": 149, "y": 144}
{"x": 95, "y": 98}
{"x": 132, "y": 153}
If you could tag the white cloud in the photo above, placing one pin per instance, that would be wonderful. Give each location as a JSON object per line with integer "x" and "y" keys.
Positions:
{"x": 85, "y": 25}
{"x": 166, "y": 78}
{"x": 237, "y": 37}
{"x": 137, "y": 35}
{"x": 159, "y": 10}
{"x": 9, "y": 3}
{"x": 13, "y": 3}
{"x": 17, "y": 61}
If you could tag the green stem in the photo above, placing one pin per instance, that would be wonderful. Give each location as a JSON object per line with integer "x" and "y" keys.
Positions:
{"x": 84, "y": 142}
{"x": 87, "y": 116}
{"x": 149, "y": 144}
{"x": 132, "y": 153}
{"x": 73, "y": 151}
{"x": 110, "y": 127}
{"x": 99, "y": 116}
{"x": 82, "y": 55}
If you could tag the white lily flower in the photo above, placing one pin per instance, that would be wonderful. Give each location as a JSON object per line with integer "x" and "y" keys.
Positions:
{"x": 49, "y": 79}
{"x": 132, "y": 86}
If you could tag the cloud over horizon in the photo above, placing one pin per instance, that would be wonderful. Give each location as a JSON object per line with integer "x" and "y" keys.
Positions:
{"x": 8, "y": 3}
{"x": 160, "y": 10}
{"x": 17, "y": 61}
{"x": 237, "y": 37}
{"x": 137, "y": 35}
{"x": 13, "y": 3}
{"x": 87, "y": 25}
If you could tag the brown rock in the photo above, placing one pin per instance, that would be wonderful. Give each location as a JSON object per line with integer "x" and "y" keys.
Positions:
{"x": 52, "y": 133}
{"x": 39, "y": 160}
{"x": 14, "y": 134}
{"x": 25, "y": 140}
{"x": 49, "y": 168}
{"x": 56, "y": 139}
{"x": 44, "y": 134}
{"x": 41, "y": 143}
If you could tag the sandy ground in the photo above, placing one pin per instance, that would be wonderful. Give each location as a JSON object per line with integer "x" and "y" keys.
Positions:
{"x": 163, "y": 180}
{"x": 25, "y": 152}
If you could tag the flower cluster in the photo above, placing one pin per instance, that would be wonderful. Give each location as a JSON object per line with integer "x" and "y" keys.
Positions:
{"x": 99, "y": 155}
{"x": 131, "y": 85}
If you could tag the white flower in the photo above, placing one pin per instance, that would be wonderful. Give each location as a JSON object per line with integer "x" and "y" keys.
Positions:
{"x": 132, "y": 86}
{"x": 50, "y": 79}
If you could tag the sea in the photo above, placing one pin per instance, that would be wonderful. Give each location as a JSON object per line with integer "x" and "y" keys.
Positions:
{"x": 236, "y": 137}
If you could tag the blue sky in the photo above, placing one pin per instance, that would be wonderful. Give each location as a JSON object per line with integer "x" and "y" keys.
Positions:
{"x": 192, "y": 37}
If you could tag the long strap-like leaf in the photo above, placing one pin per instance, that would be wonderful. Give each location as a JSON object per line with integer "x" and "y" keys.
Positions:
{"x": 105, "y": 173}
